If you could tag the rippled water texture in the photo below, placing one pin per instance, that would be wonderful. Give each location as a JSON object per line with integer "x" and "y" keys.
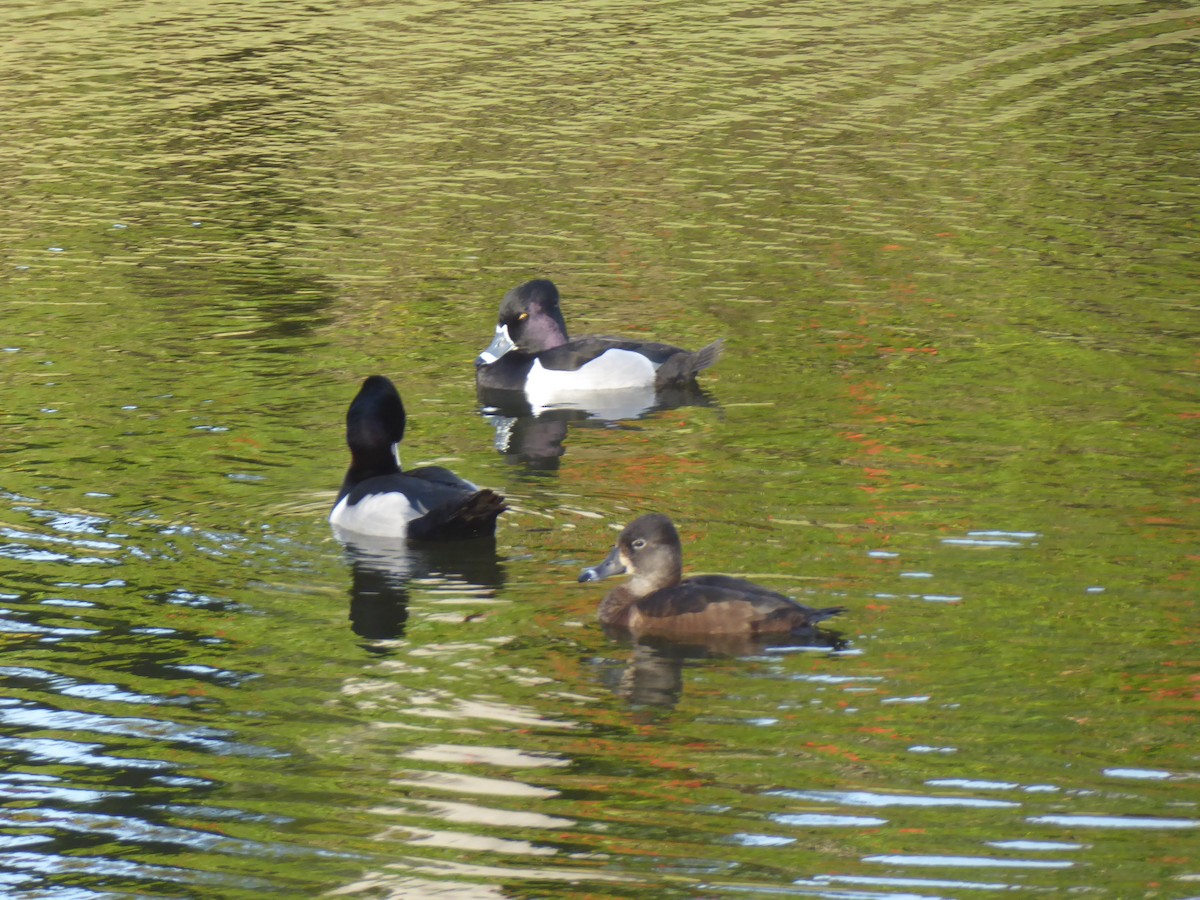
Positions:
{"x": 951, "y": 248}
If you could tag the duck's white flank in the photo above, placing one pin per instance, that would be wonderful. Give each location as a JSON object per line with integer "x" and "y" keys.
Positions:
{"x": 383, "y": 515}
{"x": 613, "y": 370}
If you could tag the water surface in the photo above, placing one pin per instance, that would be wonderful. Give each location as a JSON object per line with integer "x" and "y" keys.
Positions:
{"x": 951, "y": 250}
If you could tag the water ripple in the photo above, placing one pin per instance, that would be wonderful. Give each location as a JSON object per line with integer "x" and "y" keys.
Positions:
{"x": 976, "y": 862}
{"x": 1137, "y": 822}
{"x": 31, "y": 716}
{"x": 867, "y": 798}
{"x": 54, "y": 865}
{"x": 76, "y": 753}
{"x": 71, "y": 687}
{"x": 971, "y": 213}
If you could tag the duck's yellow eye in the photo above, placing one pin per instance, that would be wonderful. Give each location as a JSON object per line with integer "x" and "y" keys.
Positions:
{"x": 522, "y": 317}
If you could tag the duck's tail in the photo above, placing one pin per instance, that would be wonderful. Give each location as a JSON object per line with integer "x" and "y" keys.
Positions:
{"x": 474, "y": 517}
{"x": 820, "y": 615}
{"x": 682, "y": 366}
{"x": 707, "y": 356}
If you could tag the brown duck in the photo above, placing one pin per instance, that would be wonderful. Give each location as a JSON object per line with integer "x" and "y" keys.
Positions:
{"x": 658, "y": 601}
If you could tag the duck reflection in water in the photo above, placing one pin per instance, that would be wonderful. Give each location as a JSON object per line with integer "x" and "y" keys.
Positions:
{"x": 654, "y": 673}
{"x": 533, "y": 381}
{"x": 382, "y": 569}
{"x": 535, "y": 440}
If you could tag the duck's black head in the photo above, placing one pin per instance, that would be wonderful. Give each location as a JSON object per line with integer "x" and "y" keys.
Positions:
{"x": 532, "y": 317}
{"x": 375, "y": 420}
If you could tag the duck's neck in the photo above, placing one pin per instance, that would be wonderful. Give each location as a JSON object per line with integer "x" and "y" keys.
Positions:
{"x": 546, "y": 332}
{"x": 643, "y": 584}
{"x": 366, "y": 464}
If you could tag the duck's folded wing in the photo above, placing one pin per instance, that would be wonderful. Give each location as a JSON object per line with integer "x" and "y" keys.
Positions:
{"x": 578, "y": 353}
{"x": 438, "y": 477}
{"x": 695, "y": 608}
{"x": 706, "y": 595}
{"x": 767, "y": 602}
{"x": 420, "y": 490}
{"x": 739, "y": 586}
{"x": 721, "y": 604}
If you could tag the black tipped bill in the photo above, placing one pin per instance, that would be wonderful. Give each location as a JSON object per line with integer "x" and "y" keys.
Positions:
{"x": 612, "y": 565}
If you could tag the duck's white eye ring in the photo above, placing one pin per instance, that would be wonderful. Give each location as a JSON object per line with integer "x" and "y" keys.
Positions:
{"x": 638, "y": 544}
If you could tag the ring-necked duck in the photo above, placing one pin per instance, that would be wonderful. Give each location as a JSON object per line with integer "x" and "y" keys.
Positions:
{"x": 531, "y": 353}
{"x": 657, "y": 601}
{"x": 377, "y": 498}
